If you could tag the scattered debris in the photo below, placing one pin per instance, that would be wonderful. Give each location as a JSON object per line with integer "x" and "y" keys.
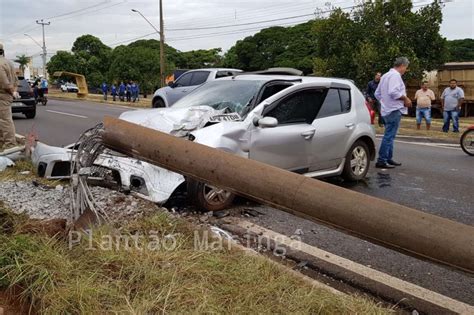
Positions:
{"x": 247, "y": 212}
{"x": 221, "y": 214}
{"x": 5, "y": 162}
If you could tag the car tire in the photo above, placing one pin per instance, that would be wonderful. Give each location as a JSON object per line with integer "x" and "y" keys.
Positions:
{"x": 158, "y": 103}
{"x": 207, "y": 197}
{"x": 464, "y": 147}
{"x": 357, "y": 162}
{"x": 31, "y": 115}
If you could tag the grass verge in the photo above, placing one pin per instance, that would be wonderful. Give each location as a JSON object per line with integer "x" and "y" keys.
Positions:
{"x": 98, "y": 98}
{"x": 23, "y": 170}
{"x": 92, "y": 278}
{"x": 408, "y": 128}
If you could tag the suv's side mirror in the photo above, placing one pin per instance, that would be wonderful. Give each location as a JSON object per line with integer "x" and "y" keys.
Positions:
{"x": 171, "y": 84}
{"x": 267, "y": 122}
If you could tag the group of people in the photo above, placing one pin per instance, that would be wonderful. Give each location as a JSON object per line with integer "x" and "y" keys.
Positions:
{"x": 129, "y": 91}
{"x": 387, "y": 94}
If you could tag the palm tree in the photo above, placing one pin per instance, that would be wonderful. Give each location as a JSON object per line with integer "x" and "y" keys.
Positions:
{"x": 23, "y": 60}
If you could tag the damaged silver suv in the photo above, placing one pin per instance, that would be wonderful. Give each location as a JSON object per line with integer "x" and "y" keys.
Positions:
{"x": 317, "y": 127}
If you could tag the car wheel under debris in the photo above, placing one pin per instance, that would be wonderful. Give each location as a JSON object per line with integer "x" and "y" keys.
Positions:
{"x": 357, "y": 162}
{"x": 207, "y": 197}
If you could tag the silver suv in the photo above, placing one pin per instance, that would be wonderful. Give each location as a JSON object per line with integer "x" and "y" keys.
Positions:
{"x": 317, "y": 127}
{"x": 186, "y": 83}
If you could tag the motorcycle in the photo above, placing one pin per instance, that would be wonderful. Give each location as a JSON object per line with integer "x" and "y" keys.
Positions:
{"x": 42, "y": 98}
{"x": 467, "y": 141}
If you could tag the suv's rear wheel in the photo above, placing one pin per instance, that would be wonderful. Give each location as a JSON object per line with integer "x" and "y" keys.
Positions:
{"x": 208, "y": 197}
{"x": 357, "y": 162}
{"x": 31, "y": 115}
{"x": 158, "y": 103}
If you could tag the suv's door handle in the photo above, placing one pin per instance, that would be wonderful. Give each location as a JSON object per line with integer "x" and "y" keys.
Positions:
{"x": 308, "y": 134}
{"x": 350, "y": 125}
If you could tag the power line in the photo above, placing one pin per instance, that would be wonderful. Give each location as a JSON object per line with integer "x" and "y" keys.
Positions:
{"x": 75, "y": 11}
{"x": 257, "y": 22}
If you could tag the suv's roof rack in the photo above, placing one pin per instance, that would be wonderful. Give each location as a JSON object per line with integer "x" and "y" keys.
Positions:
{"x": 275, "y": 71}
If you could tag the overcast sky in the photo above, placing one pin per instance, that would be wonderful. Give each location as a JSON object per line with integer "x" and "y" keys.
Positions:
{"x": 114, "y": 22}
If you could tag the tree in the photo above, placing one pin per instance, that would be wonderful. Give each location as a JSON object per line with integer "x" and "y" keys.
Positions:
{"x": 23, "y": 61}
{"x": 62, "y": 61}
{"x": 366, "y": 41}
{"x": 275, "y": 47}
{"x": 461, "y": 50}
{"x": 200, "y": 58}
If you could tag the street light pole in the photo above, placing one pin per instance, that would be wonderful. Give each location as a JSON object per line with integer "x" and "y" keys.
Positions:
{"x": 162, "y": 41}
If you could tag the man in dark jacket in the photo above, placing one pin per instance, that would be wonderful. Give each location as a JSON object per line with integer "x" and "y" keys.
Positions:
{"x": 370, "y": 97}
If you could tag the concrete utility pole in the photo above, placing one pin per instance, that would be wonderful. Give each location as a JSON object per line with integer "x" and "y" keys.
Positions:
{"x": 44, "y": 45}
{"x": 162, "y": 42}
{"x": 162, "y": 46}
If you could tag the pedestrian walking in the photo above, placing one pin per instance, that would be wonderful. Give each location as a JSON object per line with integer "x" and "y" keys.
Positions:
{"x": 105, "y": 89}
{"x": 121, "y": 91}
{"x": 370, "y": 96}
{"x": 451, "y": 102}
{"x": 393, "y": 99}
{"x": 128, "y": 92}
{"x": 8, "y": 86}
{"x": 424, "y": 97}
{"x": 113, "y": 92}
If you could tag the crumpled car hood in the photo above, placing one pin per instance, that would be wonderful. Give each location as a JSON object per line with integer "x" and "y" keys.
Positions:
{"x": 178, "y": 121}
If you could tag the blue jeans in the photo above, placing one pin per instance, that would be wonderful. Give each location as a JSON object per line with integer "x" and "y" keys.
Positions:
{"x": 392, "y": 123}
{"x": 423, "y": 112}
{"x": 447, "y": 116}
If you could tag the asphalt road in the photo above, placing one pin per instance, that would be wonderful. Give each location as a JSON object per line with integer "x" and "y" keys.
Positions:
{"x": 435, "y": 179}
{"x": 61, "y": 122}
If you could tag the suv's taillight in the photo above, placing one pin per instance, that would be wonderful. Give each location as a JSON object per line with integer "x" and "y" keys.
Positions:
{"x": 371, "y": 112}
{"x": 31, "y": 93}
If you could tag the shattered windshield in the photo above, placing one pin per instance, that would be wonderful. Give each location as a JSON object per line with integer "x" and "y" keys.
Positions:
{"x": 235, "y": 95}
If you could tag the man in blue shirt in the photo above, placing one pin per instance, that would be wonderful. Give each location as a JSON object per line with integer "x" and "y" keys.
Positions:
{"x": 113, "y": 92}
{"x": 393, "y": 99}
{"x": 121, "y": 91}
{"x": 105, "y": 88}
{"x": 451, "y": 102}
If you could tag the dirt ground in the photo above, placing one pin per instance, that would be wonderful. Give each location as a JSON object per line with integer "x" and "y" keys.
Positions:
{"x": 9, "y": 306}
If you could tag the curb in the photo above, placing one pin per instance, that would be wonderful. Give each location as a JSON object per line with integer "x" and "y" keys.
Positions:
{"x": 377, "y": 283}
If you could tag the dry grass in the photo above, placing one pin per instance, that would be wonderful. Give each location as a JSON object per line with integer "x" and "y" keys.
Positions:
{"x": 408, "y": 128}
{"x": 98, "y": 98}
{"x": 82, "y": 281}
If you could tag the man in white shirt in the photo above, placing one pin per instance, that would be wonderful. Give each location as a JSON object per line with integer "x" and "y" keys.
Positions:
{"x": 423, "y": 98}
{"x": 393, "y": 98}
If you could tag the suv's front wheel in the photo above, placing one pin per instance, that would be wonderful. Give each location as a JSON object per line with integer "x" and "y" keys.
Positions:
{"x": 208, "y": 197}
{"x": 357, "y": 162}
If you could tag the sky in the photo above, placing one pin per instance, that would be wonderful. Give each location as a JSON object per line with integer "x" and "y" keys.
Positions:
{"x": 189, "y": 24}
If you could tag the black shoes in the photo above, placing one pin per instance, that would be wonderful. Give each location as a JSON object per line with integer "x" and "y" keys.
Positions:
{"x": 384, "y": 165}
{"x": 392, "y": 162}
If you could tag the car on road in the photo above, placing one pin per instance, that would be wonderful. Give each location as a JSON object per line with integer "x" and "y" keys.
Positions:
{"x": 317, "y": 127}
{"x": 26, "y": 104}
{"x": 69, "y": 88}
{"x": 186, "y": 83}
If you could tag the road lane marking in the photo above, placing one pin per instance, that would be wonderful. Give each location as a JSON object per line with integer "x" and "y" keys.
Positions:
{"x": 67, "y": 114}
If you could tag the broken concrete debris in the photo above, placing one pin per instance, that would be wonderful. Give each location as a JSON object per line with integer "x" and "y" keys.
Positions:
{"x": 5, "y": 162}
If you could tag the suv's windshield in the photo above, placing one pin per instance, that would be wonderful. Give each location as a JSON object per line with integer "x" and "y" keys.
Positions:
{"x": 234, "y": 95}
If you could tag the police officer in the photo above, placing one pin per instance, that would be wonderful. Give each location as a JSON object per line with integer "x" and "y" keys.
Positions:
{"x": 8, "y": 84}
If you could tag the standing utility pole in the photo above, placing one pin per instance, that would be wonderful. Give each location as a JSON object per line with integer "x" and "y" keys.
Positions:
{"x": 44, "y": 45}
{"x": 162, "y": 42}
{"x": 162, "y": 46}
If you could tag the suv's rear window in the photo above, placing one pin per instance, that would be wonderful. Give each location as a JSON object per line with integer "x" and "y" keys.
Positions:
{"x": 23, "y": 84}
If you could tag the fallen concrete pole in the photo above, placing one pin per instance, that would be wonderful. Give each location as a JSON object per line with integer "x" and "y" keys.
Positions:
{"x": 392, "y": 225}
